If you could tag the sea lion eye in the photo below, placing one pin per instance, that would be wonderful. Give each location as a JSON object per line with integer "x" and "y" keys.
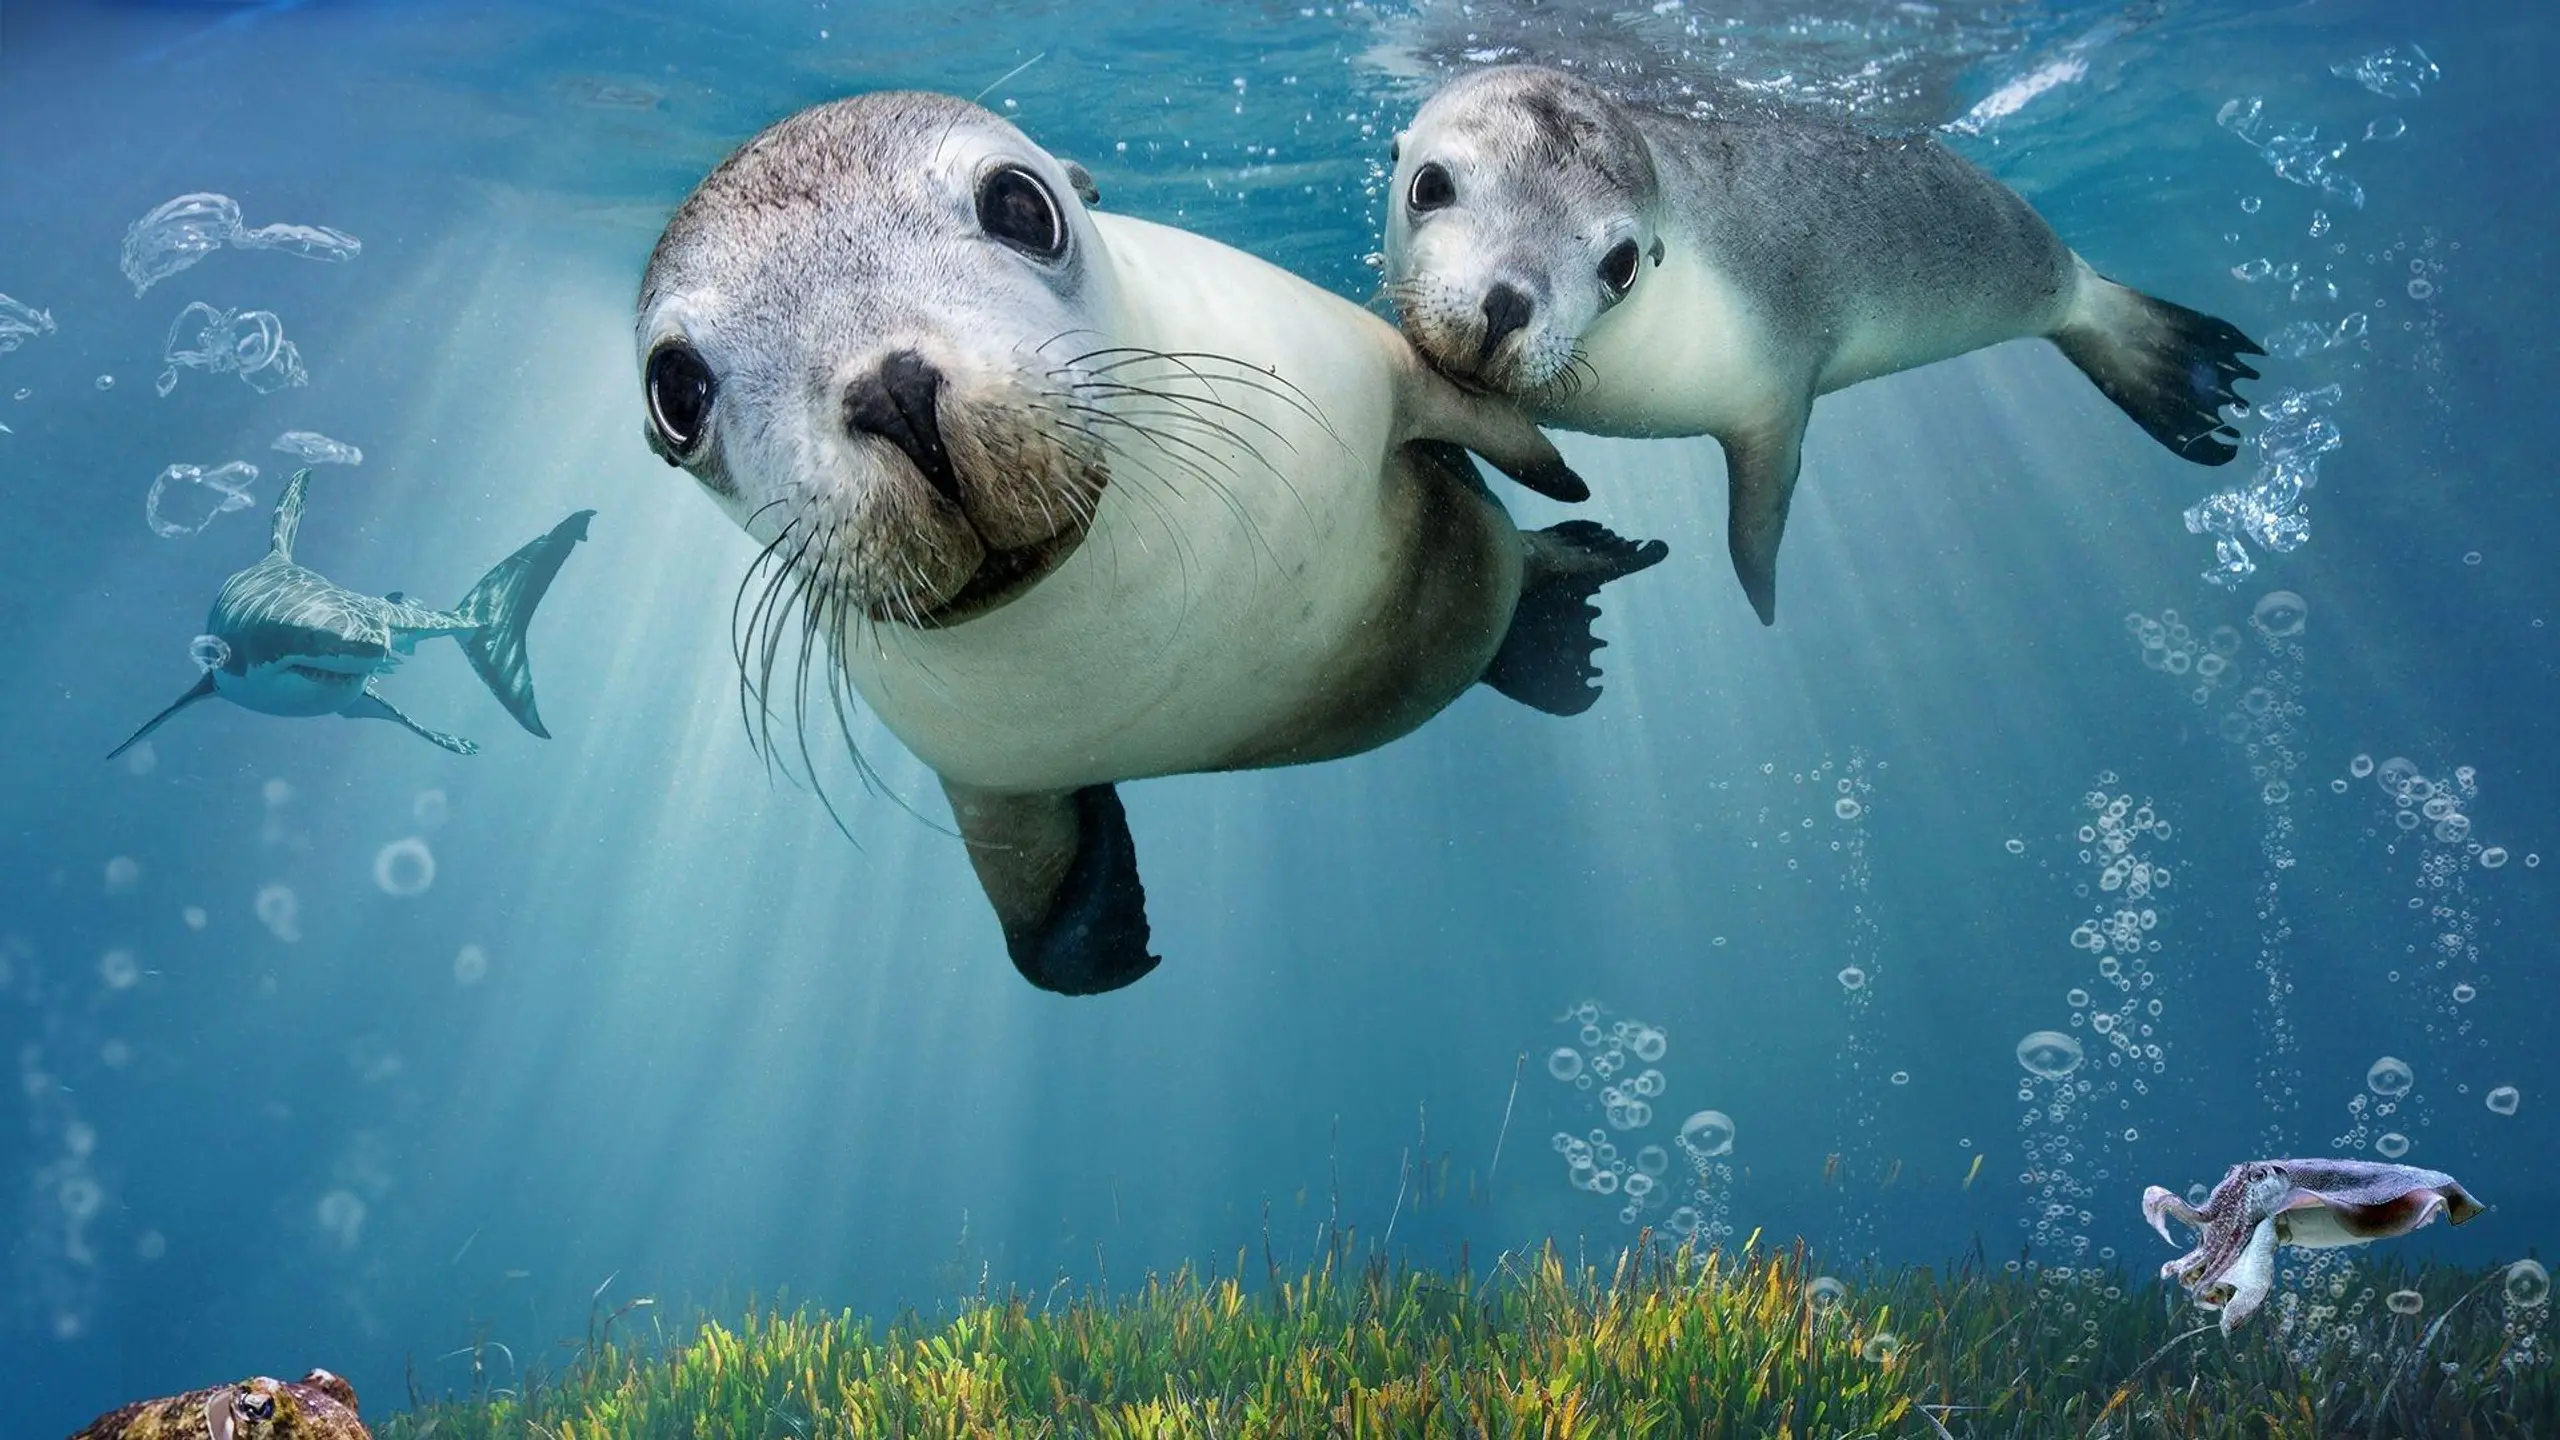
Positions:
{"x": 680, "y": 391}
{"x": 1014, "y": 207}
{"x": 1432, "y": 188}
{"x": 1618, "y": 268}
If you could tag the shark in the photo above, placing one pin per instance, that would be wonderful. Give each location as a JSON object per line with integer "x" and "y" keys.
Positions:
{"x": 287, "y": 641}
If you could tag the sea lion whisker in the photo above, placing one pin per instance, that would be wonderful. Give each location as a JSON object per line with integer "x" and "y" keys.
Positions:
{"x": 1199, "y": 470}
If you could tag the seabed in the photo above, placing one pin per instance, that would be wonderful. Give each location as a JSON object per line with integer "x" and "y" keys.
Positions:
{"x": 1664, "y": 1342}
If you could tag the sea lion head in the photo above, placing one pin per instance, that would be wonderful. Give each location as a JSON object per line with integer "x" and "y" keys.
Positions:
{"x": 1522, "y": 209}
{"x": 870, "y": 334}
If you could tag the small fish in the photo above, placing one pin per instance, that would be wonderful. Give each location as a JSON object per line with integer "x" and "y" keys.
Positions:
{"x": 1972, "y": 1172}
{"x": 2315, "y": 1204}
{"x": 284, "y": 641}
{"x": 319, "y": 1406}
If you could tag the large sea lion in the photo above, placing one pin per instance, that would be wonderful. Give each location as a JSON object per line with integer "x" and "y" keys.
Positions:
{"x": 1069, "y": 499}
{"x": 1624, "y": 271}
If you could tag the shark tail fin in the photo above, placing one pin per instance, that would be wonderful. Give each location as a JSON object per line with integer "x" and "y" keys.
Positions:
{"x": 501, "y": 607}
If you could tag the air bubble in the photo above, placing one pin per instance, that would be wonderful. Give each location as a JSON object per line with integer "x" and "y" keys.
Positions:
{"x": 2049, "y": 1054}
{"x": 1565, "y": 1063}
{"x": 2391, "y": 1145}
{"x": 2528, "y": 1284}
{"x": 2390, "y": 1078}
{"x": 1707, "y": 1134}
{"x": 2504, "y": 1100}
{"x": 404, "y": 868}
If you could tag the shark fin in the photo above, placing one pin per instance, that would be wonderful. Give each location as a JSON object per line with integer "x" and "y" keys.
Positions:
{"x": 371, "y": 706}
{"x": 202, "y": 689}
{"x": 288, "y": 515}
{"x": 501, "y": 606}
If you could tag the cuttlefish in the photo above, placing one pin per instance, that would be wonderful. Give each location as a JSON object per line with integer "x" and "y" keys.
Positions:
{"x": 2316, "y": 1204}
{"x": 319, "y": 1406}
{"x": 283, "y": 640}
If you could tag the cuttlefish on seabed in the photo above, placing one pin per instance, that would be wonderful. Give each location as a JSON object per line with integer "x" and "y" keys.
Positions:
{"x": 319, "y": 1406}
{"x": 2316, "y": 1204}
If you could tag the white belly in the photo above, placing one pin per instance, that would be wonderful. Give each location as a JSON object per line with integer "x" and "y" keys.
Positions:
{"x": 1193, "y": 616}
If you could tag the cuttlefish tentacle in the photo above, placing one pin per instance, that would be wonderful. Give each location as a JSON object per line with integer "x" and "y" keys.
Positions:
{"x": 2312, "y": 1203}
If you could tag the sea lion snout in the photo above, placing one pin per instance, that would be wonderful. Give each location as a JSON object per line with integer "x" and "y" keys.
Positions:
{"x": 897, "y": 403}
{"x": 1506, "y": 310}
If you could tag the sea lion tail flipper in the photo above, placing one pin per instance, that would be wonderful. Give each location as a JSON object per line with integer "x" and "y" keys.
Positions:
{"x": 1760, "y": 487}
{"x": 1062, "y": 874}
{"x": 1431, "y": 408}
{"x": 2174, "y": 370}
{"x": 1545, "y": 659}
{"x": 202, "y": 689}
{"x": 371, "y": 706}
{"x": 501, "y": 608}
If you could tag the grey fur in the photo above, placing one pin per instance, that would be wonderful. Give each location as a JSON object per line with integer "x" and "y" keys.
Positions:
{"x": 1819, "y": 255}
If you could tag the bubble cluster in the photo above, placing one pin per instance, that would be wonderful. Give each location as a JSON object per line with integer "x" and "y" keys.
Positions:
{"x": 1603, "y": 1064}
{"x": 2294, "y": 433}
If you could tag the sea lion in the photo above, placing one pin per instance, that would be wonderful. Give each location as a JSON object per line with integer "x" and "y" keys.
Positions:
{"x": 283, "y": 640}
{"x": 1069, "y": 498}
{"x": 319, "y": 1406}
{"x": 1623, "y": 271}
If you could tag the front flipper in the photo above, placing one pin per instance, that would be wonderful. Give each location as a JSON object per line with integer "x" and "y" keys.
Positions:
{"x": 1545, "y": 659}
{"x": 371, "y": 706}
{"x": 1760, "y": 480}
{"x": 202, "y": 689}
{"x": 1431, "y": 408}
{"x": 1062, "y": 874}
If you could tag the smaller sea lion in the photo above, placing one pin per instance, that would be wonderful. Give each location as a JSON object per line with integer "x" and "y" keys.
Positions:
{"x": 319, "y": 1406}
{"x": 1624, "y": 271}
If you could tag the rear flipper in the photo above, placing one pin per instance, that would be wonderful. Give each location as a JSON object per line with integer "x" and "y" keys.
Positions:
{"x": 1062, "y": 874}
{"x": 501, "y": 605}
{"x": 2172, "y": 369}
{"x": 1545, "y": 660}
{"x": 371, "y": 706}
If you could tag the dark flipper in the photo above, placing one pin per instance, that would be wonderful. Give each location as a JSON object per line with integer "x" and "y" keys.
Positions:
{"x": 1062, "y": 873}
{"x": 202, "y": 689}
{"x": 502, "y": 606}
{"x": 371, "y": 706}
{"x": 1545, "y": 660}
{"x": 1760, "y": 485}
{"x": 2174, "y": 370}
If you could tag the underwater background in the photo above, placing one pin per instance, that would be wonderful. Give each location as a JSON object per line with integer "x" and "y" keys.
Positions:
{"x": 331, "y": 1048}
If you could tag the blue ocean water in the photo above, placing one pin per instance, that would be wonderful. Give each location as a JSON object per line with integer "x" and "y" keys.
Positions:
{"x": 333, "y": 1048}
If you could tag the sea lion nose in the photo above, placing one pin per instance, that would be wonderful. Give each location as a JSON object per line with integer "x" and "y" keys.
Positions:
{"x": 1505, "y": 310}
{"x": 898, "y": 402}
